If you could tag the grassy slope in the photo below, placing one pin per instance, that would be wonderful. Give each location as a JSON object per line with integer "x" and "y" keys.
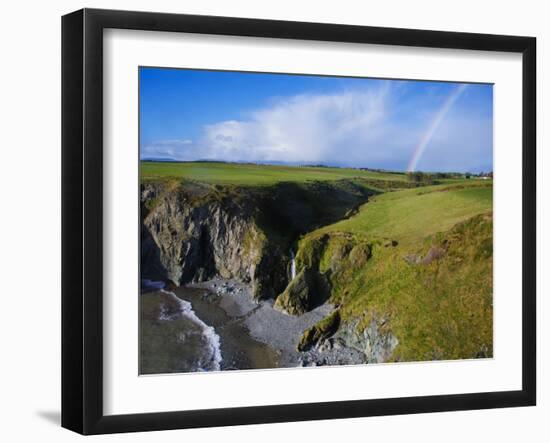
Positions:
{"x": 437, "y": 310}
{"x": 249, "y": 174}
{"x": 410, "y": 215}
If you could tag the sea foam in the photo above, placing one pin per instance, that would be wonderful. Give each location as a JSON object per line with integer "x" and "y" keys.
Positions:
{"x": 213, "y": 356}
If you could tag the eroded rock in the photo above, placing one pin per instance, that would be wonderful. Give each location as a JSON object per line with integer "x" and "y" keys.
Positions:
{"x": 306, "y": 291}
{"x": 319, "y": 332}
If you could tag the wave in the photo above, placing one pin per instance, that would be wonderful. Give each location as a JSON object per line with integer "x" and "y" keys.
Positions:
{"x": 212, "y": 357}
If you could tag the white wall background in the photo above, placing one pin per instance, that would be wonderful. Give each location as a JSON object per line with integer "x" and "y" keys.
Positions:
{"x": 30, "y": 218}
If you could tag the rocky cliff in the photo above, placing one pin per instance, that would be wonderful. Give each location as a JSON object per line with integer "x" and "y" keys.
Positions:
{"x": 193, "y": 232}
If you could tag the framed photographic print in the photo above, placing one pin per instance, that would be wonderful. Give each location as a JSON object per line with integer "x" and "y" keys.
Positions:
{"x": 269, "y": 221}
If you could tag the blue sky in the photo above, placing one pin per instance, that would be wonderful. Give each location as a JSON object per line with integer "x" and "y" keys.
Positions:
{"x": 389, "y": 124}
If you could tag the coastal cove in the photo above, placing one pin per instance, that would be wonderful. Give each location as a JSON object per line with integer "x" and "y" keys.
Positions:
{"x": 338, "y": 267}
{"x": 228, "y": 330}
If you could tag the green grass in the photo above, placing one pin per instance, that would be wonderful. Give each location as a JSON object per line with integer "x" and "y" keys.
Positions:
{"x": 253, "y": 175}
{"x": 410, "y": 215}
{"x": 374, "y": 257}
{"x": 440, "y": 310}
{"x": 437, "y": 309}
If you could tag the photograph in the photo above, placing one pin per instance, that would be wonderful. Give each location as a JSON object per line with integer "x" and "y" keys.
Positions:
{"x": 295, "y": 220}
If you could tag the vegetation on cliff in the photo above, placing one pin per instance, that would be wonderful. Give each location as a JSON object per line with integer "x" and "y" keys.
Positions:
{"x": 306, "y": 291}
{"x": 193, "y": 231}
{"x": 408, "y": 265}
{"x": 322, "y": 330}
{"x": 419, "y": 265}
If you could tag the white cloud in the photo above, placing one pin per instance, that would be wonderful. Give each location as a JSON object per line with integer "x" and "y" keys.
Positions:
{"x": 372, "y": 127}
{"x": 304, "y": 128}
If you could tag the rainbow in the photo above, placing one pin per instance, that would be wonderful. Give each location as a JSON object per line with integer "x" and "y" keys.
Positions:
{"x": 439, "y": 116}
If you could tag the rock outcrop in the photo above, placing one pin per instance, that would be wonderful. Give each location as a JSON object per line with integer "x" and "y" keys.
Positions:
{"x": 306, "y": 291}
{"x": 193, "y": 240}
{"x": 320, "y": 331}
{"x": 192, "y": 232}
{"x": 322, "y": 261}
{"x": 377, "y": 344}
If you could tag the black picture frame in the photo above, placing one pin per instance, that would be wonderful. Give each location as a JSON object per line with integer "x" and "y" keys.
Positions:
{"x": 82, "y": 217}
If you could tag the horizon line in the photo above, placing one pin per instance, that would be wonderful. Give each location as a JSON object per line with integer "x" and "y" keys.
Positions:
{"x": 309, "y": 165}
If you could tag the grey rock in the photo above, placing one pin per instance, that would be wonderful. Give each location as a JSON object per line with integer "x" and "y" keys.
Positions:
{"x": 186, "y": 240}
{"x": 376, "y": 344}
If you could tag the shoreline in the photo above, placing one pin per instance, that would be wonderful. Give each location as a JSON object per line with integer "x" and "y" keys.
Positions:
{"x": 239, "y": 349}
{"x": 279, "y": 331}
{"x": 250, "y": 334}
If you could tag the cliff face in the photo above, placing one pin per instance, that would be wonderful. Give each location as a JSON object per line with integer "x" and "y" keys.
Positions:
{"x": 323, "y": 265}
{"x": 185, "y": 239}
{"x": 192, "y": 232}
{"x": 419, "y": 295}
{"x": 426, "y": 300}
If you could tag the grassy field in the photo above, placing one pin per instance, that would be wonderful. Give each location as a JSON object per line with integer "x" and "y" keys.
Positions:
{"x": 410, "y": 215}
{"x": 419, "y": 263}
{"x": 251, "y": 174}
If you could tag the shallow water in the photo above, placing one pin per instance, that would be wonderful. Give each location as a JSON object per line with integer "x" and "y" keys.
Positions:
{"x": 172, "y": 338}
{"x": 172, "y": 341}
{"x": 239, "y": 350}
